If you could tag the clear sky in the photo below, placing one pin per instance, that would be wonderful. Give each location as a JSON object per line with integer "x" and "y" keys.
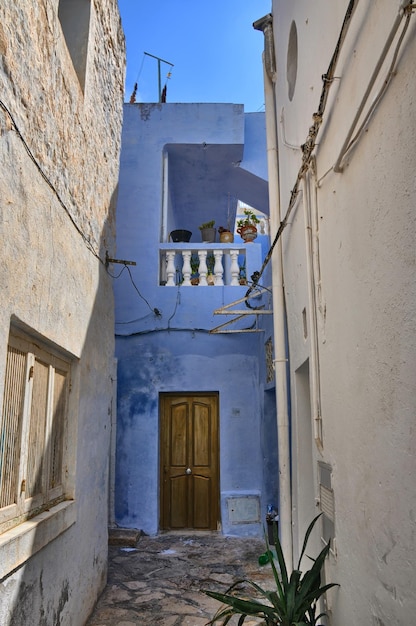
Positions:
{"x": 213, "y": 46}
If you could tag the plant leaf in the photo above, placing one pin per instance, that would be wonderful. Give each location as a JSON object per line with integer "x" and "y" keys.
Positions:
{"x": 242, "y": 605}
{"x": 291, "y": 594}
{"x": 292, "y": 603}
{"x": 307, "y": 534}
{"x": 282, "y": 563}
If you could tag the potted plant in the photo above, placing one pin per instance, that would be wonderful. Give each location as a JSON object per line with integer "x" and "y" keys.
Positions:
{"x": 247, "y": 226}
{"x": 180, "y": 235}
{"x": 292, "y": 603}
{"x": 242, "y": 276}
{"x": 208, "y": 231}
{"x": 194, "y": 269}
{"x": 210, "y": 269}
{"x": 226, "y": 236}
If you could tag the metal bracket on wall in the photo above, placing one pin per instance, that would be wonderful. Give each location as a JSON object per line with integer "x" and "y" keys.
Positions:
{"x": 241, "y": 313}
{"x": 108, "y": 261}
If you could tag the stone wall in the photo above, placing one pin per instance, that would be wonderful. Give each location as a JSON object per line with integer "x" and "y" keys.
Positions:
{"x": 59, "y": 159}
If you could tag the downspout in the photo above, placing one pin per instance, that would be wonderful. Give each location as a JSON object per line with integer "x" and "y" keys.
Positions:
{"x": 265, "y": 24}
{"x": 165, "y": 196}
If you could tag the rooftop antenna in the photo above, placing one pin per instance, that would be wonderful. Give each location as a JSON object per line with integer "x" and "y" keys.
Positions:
{"x": 159, "y": 61}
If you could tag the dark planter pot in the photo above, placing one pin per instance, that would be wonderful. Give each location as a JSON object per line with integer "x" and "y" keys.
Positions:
{"x": 180, "y": 235}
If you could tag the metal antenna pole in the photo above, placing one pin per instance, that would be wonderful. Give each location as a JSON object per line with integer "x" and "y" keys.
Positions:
{"x": 159, "y": 60}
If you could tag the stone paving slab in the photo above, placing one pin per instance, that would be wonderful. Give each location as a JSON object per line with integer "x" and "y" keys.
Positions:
{"x": 159, "y": 580}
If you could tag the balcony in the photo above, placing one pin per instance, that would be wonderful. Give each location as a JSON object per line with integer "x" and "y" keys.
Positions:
{"x": 203, "y": 265}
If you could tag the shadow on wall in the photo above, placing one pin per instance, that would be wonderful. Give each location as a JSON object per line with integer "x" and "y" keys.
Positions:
{"x": 61, "y": 582}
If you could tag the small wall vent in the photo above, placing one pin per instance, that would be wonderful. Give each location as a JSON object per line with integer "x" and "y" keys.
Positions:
{"x": 243, "y": 510}
{"x": 326, "y": 502}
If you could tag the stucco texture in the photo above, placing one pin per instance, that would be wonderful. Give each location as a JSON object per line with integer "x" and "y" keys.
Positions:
{"x": 349, "y": 261}
{"x": 59, "y": 157}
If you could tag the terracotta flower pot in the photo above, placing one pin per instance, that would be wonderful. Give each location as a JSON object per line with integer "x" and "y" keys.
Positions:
{"x": 247, "y": 233}
{"x": 226, "y": 236}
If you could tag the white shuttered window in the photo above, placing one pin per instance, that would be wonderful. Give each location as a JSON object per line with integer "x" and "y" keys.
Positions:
{"x": 33, "y": 427}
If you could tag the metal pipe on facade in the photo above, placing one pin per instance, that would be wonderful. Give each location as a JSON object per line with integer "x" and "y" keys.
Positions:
{"x": 165, "y": 195}
{"x": 406, "y": 5}
{"x": 279, "y": 317}
{"x": 309, "y": 207}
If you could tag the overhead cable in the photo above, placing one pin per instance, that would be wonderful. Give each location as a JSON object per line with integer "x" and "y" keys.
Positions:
{"x": 309, "y": 145}
{"x": 49, "y": 183}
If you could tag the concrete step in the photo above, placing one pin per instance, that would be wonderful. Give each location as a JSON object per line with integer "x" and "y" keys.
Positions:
{"x": 123, "y": 536}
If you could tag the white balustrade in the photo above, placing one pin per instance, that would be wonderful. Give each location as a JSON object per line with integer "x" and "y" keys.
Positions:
{"x": 234, "y": 269}
{"x": 186, "y": 268}
{"x": 170, "y": 268}
{"x": 217, "y": 266}
{"x": 202, "y": 269}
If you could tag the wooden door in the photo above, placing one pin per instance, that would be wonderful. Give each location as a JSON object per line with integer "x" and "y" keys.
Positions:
{"x": 189, "y": 461}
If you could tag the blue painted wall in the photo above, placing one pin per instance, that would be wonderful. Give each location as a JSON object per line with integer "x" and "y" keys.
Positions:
{"x": 163, "y": 342}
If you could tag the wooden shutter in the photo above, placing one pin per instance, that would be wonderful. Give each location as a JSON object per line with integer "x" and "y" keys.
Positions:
{"x": 11, "y": 425}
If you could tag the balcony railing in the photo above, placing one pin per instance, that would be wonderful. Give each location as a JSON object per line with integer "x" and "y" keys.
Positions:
{"x": 188, "y": 264}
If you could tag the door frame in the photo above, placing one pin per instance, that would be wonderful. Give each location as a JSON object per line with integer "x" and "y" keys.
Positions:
{"x": 201, "y": 394}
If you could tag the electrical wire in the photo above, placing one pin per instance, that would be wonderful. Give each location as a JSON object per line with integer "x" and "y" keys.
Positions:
{"x": 118, "y": 275}
{"x": 49, "y": 183}
{"x": 178, "y": 299}
{"x": 309, "y": 145}
{"x": 151, "y": 331}
{"x": 386, "y": 82}
{"x": 138, "y": 319}
{"x": 154, "y": 310}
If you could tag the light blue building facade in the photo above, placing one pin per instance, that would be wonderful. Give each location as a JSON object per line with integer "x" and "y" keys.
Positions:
{"x": 183, "y": 165}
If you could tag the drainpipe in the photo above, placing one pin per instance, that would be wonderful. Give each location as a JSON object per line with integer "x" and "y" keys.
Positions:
{"x": 165, "y": 195}
{"x": 265, "y": 24}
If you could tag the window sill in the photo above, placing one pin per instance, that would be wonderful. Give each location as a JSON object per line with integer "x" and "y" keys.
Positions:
{"x": 23, "y": 541}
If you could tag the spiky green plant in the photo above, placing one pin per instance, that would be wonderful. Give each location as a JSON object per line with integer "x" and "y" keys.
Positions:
{"x": 292, "y": 603}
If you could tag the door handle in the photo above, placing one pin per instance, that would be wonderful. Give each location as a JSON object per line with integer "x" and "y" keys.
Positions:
{"x": 188, "y": 470}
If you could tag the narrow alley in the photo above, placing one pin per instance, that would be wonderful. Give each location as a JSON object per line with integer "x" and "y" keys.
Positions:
{"x": 158, "y": 580}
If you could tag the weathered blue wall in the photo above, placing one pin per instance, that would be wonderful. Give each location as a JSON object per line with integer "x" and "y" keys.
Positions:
{"x": 162, "y": 333}
{"x": 185, "y": 361}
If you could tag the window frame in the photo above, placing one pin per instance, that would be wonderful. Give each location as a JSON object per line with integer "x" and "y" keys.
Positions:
{"x": 26, "y": 506}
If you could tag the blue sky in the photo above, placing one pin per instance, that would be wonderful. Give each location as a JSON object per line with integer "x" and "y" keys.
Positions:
{"x": 215, "y": 51}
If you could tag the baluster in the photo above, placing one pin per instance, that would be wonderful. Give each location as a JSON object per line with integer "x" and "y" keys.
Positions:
{"x": 202, "y": 267}
{"x": 170, "y": 268}
{"x": 218, "y": 268}
{"x": 234, "y": 269}
{"x": 186, "y": 269}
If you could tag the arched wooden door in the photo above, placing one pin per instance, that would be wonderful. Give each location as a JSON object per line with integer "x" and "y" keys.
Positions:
{"x": 189, "y": 453}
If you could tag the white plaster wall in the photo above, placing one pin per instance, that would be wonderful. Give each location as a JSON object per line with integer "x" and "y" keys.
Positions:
{"x": 53, "y": 276}
{"x": 366, "y": 303}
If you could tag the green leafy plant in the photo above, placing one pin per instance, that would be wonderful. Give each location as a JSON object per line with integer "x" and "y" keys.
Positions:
{"x": 250, "y": 219}
{"x": 292, "y": 603}
{"x": 207, "y": 225}
{"x": 194, "y": 263}
{"x": 210, "y": 263}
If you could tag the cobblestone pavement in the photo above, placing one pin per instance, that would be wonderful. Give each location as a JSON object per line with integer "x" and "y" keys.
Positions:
{"x": 158, "y": 581}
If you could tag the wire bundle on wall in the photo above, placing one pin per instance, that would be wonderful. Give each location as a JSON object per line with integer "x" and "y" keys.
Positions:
{"x": 308, "y": 147}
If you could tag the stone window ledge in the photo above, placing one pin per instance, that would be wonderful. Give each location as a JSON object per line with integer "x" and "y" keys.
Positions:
{"x": 20, "y": 543}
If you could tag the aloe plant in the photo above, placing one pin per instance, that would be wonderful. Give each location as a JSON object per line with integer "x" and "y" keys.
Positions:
{"x": 292, "y": 603}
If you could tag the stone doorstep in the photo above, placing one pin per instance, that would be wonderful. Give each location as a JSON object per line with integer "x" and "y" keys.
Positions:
{"x": 123, "y": 536}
